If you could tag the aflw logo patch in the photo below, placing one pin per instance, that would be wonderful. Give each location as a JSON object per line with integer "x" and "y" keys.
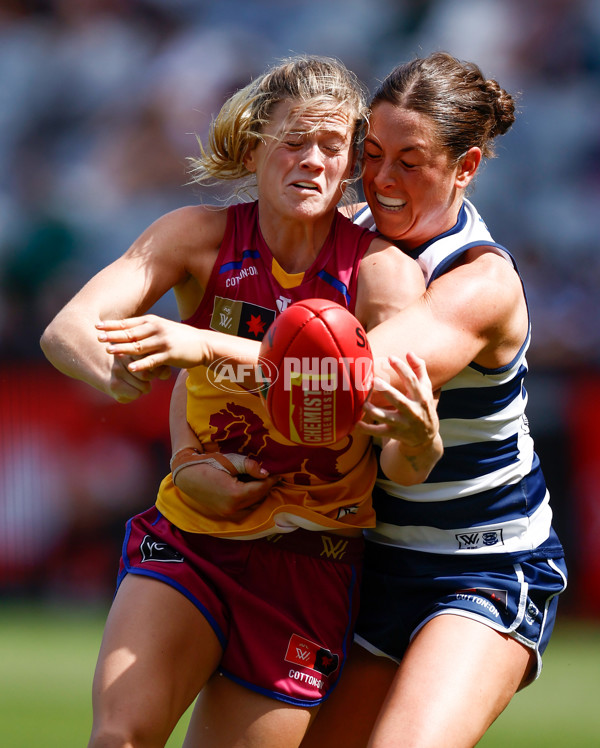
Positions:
{"x": 240, "y": 318}
{"x": 473, "y": 540}
{"x": 154, "y": 550}
{"x": 301, "y": 651}
{"x": 333, "y": 548}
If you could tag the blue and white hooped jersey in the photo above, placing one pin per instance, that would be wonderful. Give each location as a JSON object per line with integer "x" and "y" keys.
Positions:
{"x": 487, "y": 494}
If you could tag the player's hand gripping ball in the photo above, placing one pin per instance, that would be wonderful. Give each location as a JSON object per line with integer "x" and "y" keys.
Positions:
{"x": 324, "y": 372}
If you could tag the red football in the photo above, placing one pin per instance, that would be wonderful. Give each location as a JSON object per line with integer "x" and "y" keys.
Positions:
{"x": 324, "y": 371}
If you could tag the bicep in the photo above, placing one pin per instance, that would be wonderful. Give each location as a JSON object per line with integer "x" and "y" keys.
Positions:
{"x": 444, "y": 344}
{"x": 157, "y": 261}
{"x": 125, "y": 288}
{"x": 464, "y": 314}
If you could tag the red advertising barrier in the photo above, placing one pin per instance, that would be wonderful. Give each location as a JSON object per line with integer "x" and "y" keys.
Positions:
{"x": 74, "y": 464}
{"x": 584, "y": 421}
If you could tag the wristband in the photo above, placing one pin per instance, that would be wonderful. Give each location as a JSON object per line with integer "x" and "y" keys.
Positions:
{"x": 186, "y": 456}
{"x": 185, "y": 453}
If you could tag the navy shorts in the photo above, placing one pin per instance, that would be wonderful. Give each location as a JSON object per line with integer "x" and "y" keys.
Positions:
{"x": 283, "y": 607}
{"x": 518, "y": 599}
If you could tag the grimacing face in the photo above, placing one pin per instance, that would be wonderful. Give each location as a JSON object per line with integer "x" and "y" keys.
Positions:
{"x": 408, "y": 180}
{"x": 304, "y": 159}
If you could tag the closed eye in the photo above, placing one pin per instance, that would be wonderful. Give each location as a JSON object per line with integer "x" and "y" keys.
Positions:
{"x": 376, "y": 155}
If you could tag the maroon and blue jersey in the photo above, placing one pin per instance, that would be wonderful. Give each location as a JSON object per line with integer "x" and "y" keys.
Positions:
{"x": 321, "y": 488}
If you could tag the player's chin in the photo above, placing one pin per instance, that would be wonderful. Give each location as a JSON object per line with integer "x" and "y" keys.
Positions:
{"x": 391, "y": 225}
{"x": 315, "y": 204}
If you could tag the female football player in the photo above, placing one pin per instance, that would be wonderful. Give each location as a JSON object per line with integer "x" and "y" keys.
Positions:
{"x": 253, "y": 605}
{"x": 463, "y": 572}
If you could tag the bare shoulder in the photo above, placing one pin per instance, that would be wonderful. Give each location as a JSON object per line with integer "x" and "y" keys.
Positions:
{"x": 482, "y": 275}
{"x": 474, "y": 312}
{"x": 385, "y": 259}
{"x": 183, "y": 242}
{"x": 190, "y": 239}
{"x": 388, "y": 282}
{"x": 196, "y": 225}
{"x": 210, "y": 220}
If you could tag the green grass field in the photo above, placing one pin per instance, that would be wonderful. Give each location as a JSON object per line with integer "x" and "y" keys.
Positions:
{"x": 47, "y": 657}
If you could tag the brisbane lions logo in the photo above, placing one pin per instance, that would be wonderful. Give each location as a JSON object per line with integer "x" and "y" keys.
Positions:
{"x": 245, "y": 432}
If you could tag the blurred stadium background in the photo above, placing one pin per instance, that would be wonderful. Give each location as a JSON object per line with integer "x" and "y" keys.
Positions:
{"x": 100, "y": 102}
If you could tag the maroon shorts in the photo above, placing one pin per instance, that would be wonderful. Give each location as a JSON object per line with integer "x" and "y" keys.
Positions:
{"x": 283, "y": 607}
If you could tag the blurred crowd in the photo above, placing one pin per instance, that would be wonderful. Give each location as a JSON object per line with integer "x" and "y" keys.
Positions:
{"x": 102, "y": 101}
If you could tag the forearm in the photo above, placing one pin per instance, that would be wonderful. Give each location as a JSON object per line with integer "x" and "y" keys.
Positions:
{"x": 219, "y": 345}
{"x": 407, "y": 465}
{"x": 71, "y": 344}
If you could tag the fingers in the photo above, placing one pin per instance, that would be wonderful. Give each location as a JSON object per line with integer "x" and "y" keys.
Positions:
{"x": 394, "y": 396}
{"x": 379, "y": 414}
{"x": 373, "y": 429}
{"x": 144, "y": 368}
{"x": 149, "y": 370}
{"x": 147, "y": 364}
{"x": 412, "y": 417}
{"x": 123, "y": 326}
{"x": 125, "y": 386}
{"x": 413, "y": 381}
{"x": 410, "y": 371}
{"x": 256, "y": 490}
{"x": 417, "y": 364}
{"x": 129, "y": 332}
{"x": 140, "y": 340}
{"x": 381, "y": 421}
{"x": 221, "y": 494}
{"x": 153, "y": 372}
{"x": 125, "y": 335}
{"x": 154, "y": 342}
{"x": 254, "y": 469}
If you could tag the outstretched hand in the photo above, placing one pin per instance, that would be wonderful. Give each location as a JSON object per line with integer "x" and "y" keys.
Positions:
{"x": 153, "y": 342}
{"x": 413, "y": 418}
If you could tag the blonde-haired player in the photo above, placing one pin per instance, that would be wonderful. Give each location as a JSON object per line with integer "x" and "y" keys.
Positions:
{"x": 254, "y": 608}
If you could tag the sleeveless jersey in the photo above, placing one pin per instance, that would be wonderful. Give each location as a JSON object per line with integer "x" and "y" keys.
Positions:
{"x": 321, "y": 487}
{"x": 487, "y": 494}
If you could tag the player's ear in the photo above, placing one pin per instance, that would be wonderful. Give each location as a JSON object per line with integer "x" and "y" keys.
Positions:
{"x": 467, "y": 166}
{"x": 250, "y": 160}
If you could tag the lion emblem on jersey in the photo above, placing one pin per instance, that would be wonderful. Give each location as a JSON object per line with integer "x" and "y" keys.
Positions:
{"x": 244, "y": 431}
